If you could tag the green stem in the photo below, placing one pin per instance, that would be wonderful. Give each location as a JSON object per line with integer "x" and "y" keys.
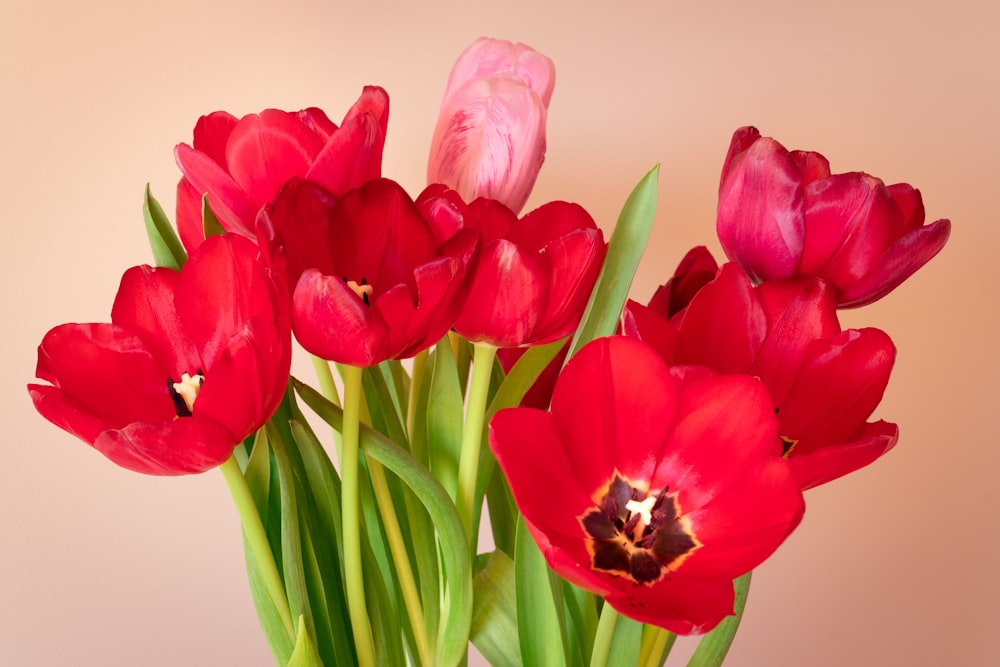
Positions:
{"x": 602, "y": 638}
{"x": 472, "y": 434}
{"x": 419, "y": 366}
{"x": 325, "y": 377}
{"x": 715, "y": 645}
{"x": 256, "y": 537}
{"x": 407, "y": 583}
{"x": 655, "y": 644}
{"x": 350, "y": 511}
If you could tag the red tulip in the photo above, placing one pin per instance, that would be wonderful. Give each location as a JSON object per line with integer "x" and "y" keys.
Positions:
{"x": 650, "y": 486}
{"x": 783, "y": 214}
{"x": 241, "y": 164}
{"x": 825, "y": 383}
{"x": 372, "y": 278}
{"x": 532, "y": 276}
{"x": 490, "y": 135}
{"x": 191, "y": 364}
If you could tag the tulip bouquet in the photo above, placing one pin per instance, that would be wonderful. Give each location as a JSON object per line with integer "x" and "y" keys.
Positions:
{"x": 635, "y": 462}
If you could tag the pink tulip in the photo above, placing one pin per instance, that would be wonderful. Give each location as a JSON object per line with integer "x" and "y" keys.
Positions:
{"x": 490, "y": 135}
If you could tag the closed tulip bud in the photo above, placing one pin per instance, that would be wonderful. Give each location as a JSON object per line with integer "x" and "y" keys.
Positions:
{"x": 490, "y": 134}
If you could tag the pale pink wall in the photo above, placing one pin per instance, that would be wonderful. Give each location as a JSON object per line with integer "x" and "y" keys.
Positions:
{"x": 893, "y": 566}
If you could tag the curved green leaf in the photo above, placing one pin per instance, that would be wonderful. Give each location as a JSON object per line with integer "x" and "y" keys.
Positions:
{"x": 167, "y": 249}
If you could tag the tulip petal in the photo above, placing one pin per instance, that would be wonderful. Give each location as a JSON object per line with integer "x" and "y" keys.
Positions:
{"x": 643, "y": 324}
{"x": 415, "y": 325}
{"x": 332, "y": 322}
{"x": 615, "y": 402}
{"x": 724, "y": 325}
{"x": 822, "y": 464}
{"x": 230, "y": 203}
{"x": 295, "y": 228}
{"x": 267, "y": 149}
{"x": 761, "y": 220}
{"x": 682, "y": 605}
{"x": 574, "y": 262}
{"x": 506, "y": 296}
{"x": 897, "y": 264}
{"x": 182, "y": 446}
{"x": 352, "y": 155}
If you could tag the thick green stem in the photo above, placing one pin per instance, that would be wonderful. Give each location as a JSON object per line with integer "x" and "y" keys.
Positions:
{"x": 603, "y": 636}
{"x": 656, "y": 643}
{"x": 472, "y": 435}
{"x": 419, "y": 366}
{"x": 256, "y": 537}
{"x": 350, "y": 510}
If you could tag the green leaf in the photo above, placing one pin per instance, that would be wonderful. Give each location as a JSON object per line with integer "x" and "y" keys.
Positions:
{"x": 210, "y": 223}
{"x": 305, "y": 654}
{"x": 581, "y": 621}
{"x": 628, "y": 242}
{"x": 715, "y": 645}
{"x": 452, "y": 640}
{"x": 445, "y": 417}
{"x": 293, "y": 568}
{"x": 625, "y": 643}
{"x": 167, "y": 249}
{"x": 494, "y": 612}
{"x": 540, "y": 626}
{"x": 270, "y": 621}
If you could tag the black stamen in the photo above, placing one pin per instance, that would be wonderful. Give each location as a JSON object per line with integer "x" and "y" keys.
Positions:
{"x": 180, "y": 407}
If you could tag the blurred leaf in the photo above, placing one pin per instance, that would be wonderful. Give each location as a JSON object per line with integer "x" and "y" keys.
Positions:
{"x": 581, "y": 622}
{"x": 626, "y": 643}
{"x": 494, "y": 612}
{"x": 270, "y": 621}
{"x": 167, "y": 249}
{"x": 305, "y": 654}
{"x": 628, "y": 243}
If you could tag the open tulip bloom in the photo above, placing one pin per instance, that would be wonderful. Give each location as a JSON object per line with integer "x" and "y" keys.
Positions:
{"x": 667, "y": 447}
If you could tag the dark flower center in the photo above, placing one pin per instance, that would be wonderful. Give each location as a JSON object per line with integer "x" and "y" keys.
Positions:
{"x": 787, "y": 445}
{"x": 184, "y": 393}
{"x": 362, "y": 289}
{"x": 636, "y": 534}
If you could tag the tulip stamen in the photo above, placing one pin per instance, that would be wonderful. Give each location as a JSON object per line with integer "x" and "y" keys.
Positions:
{"x": 636, "y": 534}
{"x": 787, "y": 445}
{"x": 185, "y": 392}
{"x": 362, "y": 289}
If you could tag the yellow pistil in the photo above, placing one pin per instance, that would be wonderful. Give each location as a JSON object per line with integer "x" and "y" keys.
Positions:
{"x": 362, "y": 289}
{"x": 188, "y": 388}
{"x": 644, "y": 508}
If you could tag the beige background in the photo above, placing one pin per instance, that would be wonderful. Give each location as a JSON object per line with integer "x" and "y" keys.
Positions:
{"x": 893, "y": 566}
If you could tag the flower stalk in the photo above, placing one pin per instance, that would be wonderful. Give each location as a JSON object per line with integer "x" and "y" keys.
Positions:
{"x": 472, "y": 434}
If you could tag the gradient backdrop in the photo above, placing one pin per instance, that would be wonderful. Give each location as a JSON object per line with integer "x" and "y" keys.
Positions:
{"x": 892, "y": 566}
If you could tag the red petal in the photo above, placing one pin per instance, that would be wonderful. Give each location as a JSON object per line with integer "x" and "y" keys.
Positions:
{"x": 331, "y": 322}
{"x": 812, "y": 166}
{"x": 265, "y": 150}
{"x": 102, "y": 370}
{"x": 614, "y": 404}
{"x": 183, "y": 446}
{"x": 352, "y": 155}
{"x": 378, "y": 234}
{"x": 898, "y": 263}
{"x": 145, "y": 304}
{"x": 230, "y": 203}
{"x": 680, "y": 604}
{"x": 413, "y": 326}
{"x": 910, "y": 203}
{"x": 850, "y": 221}
{"x": 696, "y": 269}
{"x": 507, "y": 295}
{"x": 549, "y": 222}
{"x": 838, "y": 387}
{"x": 760, "y": 222}
{"x": 798, "y": 312}
{"x": 211, "y": 134}
{"x": 574, "y": 262}
{"x": 220, "y": 288}
{"x": 642, "y": 323}
{"x": 190, "y": 225}
{"x": 296, "y": 226}
{"x": 743, "y": 526}
{"x": 725, "y": 424}
{"x": 724, "y": 325}
{"x": 827, "y": 463}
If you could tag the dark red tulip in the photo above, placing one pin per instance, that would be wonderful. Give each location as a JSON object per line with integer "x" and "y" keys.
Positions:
{"x": 242, "y": 164}
{"x": 650, "y": 486}
{"x": 191, "y": 364}
{"x": 783, "y": 214}
{"x": 372, "y": 278}
{"x": 825, "y": 383}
